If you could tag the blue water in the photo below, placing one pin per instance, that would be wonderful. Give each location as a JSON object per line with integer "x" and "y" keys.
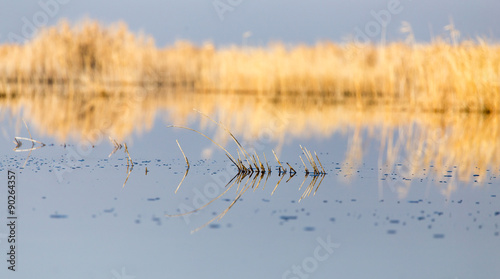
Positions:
{"x": 77, "y": 219}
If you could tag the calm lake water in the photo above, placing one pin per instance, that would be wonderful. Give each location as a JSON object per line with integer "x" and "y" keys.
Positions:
{"x": 406, "y": 195}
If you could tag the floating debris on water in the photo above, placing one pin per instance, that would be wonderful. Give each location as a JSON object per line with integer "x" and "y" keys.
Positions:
{"x": 214, "y": 226}
{"x": 58, "y": 216}
{"x": 287, "y": 218}
{"x": 157, "y": 220}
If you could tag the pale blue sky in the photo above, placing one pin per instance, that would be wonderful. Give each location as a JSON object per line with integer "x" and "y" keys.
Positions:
{"x": 291, "y": 21}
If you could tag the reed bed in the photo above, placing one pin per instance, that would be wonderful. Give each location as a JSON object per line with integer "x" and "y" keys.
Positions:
{"x": 444, "y": 75}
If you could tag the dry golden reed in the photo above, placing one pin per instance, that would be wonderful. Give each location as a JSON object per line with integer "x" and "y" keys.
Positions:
{"x": 437, "y": 76}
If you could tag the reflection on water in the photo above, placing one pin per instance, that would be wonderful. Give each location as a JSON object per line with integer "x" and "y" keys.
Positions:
{"x": 245, "y": 181}
{"x": 414, "y": 144}
{"x": 249, "y": 179}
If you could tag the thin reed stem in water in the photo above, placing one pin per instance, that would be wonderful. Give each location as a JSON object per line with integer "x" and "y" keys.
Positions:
{"x": 227, "y": 152}
{"x": 187, "y": 169}
{"x": 116, "y": 146}
{"x": 319, "y": 162}
{"x": 128, "y": 154}
{"x": 19, "y": 144}
{"x": 292, "y": 170}
{"x": 243, "y": 150}
{"x": 319, "y": 183}
{"x": 129, "y": 161}
{"x": 279, "y": 163}
{"x": 268, "y": 167}
{"x": 230, "y": 183}
{"x": 185, "y": 158}
{"x": 262, "y": 169}
{"x": 218, "y": 217}
{"x": 305, "y": 167}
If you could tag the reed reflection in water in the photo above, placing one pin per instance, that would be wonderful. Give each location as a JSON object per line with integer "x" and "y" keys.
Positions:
{"x": 467, "y": 144}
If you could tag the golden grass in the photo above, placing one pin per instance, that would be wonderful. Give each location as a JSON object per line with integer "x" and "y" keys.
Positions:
{"x": 437, "y": 76}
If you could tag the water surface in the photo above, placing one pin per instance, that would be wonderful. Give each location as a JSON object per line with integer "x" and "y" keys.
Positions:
{"x": 406, "y": 194}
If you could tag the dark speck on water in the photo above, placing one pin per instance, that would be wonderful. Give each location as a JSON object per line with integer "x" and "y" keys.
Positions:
{"x": 414, "y": 201}
{"x": 287, "y": 218}
{"x": 391, "y": 232}
{"x": 438, "y": 235}
{"x": 58, "y": 216}
{"x": 157, "y": 220}
{"x": 214, "y": 226}
{"x": 109, "y": 210}
{"x": 153, "y": 199}
{"x": 309, "y": 229}
{"x": 394, "y": 221}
